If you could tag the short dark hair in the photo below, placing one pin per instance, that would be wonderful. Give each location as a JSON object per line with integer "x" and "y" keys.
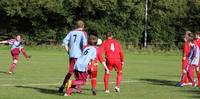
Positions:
{"x": 94, "y": 33}
{"x": 109, "y": 34}
{"x": 190, "y": 40}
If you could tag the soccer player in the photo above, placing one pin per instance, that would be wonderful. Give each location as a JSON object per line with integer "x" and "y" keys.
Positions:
{"x": 16, "y": 47}
{"x": 74, "y": 43}
{"x": 114, "y": 59}
{"x": 93, "y": 69}
{"x": 193, "y": 59}
{"x": 186, "y": 51}
{"x": 197, "y": 42}
{"x": 80, "y": 68}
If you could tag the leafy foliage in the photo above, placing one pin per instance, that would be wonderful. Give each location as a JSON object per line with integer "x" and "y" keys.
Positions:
{"x": 50, "y": 20}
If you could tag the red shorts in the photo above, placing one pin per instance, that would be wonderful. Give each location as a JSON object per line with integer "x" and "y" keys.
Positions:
{"x": 92, "y": 71}
{"x": 80, "y": 75}
{"x": 117, "y": 65}
{"x": 185, "y": 63}
{"x": 72, "y": 62}
{"x": 15, "y": 53}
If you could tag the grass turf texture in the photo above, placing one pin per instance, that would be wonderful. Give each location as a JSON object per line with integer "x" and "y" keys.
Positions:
{"x": 144, "y": 77}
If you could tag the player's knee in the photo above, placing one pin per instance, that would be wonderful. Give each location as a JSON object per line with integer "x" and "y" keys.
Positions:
{"x": 93, "y": 78}
{"x": 119, "y": 72}
{"x": 15, "y": 61}
{"x": 22, "y": 48}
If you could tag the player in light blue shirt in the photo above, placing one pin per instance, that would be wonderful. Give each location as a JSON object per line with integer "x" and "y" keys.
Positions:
{"x": 89, "y": 53}
{"x": 74, "y": 43}
{"x": 76, "y": 39}
{"x": 193, "y": 60}
{"x": 81, "y": 65}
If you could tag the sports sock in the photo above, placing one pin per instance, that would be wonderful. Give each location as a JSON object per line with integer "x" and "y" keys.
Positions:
{"x": 119, "y": 78}
{"x": 66, "y": 79}
{"x": 106, "y": 78}
{"x": 12, "y": 67}
{"x": 93, "y": 83}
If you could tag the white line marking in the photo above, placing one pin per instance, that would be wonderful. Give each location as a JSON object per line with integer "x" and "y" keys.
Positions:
{"x": 58, "y": 84}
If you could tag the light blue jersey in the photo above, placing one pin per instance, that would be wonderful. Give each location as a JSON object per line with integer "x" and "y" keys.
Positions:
{"x": 194, "y": 55}
{"x": 14, "y": 43}
{"x": 89, "y": 53}
{"x": 76, "y": 40}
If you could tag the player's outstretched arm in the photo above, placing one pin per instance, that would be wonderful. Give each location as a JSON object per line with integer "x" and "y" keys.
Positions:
{"x": 3, "y": 42}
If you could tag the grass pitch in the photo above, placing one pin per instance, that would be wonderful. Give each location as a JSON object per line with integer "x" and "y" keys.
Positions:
{"x": 144, "y": 77}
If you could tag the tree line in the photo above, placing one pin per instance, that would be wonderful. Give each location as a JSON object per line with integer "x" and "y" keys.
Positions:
{"x": 48, "y": 21}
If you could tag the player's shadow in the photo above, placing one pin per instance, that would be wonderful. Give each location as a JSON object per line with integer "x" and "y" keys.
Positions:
{"x": 3, "y": 72}
{"x": 49, "y": 91}
{"x": 160, "y": 82}
{"x": 42, "y": 90}
{"x": 195, "y": 93}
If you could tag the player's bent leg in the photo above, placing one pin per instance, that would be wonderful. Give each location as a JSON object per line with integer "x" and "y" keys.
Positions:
{"x": 23, "y": 50}
{"x": 69, "y": 74}
{"x": 184, "y": 79}
{"x": 66, "y": 79}
{"x": 190, "y": 75}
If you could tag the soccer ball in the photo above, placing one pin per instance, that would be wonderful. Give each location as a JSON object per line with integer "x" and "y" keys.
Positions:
{"x": 99, "y": 41}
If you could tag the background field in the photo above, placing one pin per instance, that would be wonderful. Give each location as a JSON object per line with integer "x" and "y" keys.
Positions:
{"x": 145, "y": 77}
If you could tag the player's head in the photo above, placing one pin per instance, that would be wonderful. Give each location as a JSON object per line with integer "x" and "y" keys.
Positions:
{"x": 109, "y": 35}
{"x": 92, "y": 39}
{"x": 190, "y": 41}
{"x": 197, "y": 34}
{"x": 18, "y": 37}
{"x": 80, "y": 24}
{"x": 187, "y": 35}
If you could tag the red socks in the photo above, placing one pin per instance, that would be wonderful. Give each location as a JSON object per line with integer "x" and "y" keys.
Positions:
{"x": 106, "y": 78}
{"x": 12, "y": 67}
{"x": 119, "y": 78}
{"x": 93, "y": 83}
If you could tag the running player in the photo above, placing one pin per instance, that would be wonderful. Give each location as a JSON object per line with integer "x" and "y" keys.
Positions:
{"x": 114, "y": 59}
{"x": 16, "y": 47}
{"x": 186, "y": 51}
{"x": 74, "y": 43}
{"x": 197, "y": 42}
{"x": 93, "y": 69}
{"x": 193, "y": 59}
{"x": 81, "y": 66}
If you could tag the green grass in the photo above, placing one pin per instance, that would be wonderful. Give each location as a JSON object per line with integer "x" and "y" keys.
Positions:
{"x": 150, "y": 77}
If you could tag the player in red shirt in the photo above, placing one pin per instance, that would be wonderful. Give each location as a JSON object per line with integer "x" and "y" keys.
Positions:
{"x": 114, "y": 59}
{"x": 197, "y": 42}
{"x": 185, "y": 61}
{"x": 93, "y": 69}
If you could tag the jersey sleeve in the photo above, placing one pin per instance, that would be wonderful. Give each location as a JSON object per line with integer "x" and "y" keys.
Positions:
{"x": 11, "y": 41}
{"x": 66, "y": 40}
{"x": 101, "y": 52}
{"x": 84, "y": 39}
{"x": 94, "y": 54}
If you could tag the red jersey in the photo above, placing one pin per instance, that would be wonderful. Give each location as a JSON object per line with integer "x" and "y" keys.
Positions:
{"x": 197, "y": 42}
{"x": 112, "y": 49}
{"x": 186, "y": 49}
